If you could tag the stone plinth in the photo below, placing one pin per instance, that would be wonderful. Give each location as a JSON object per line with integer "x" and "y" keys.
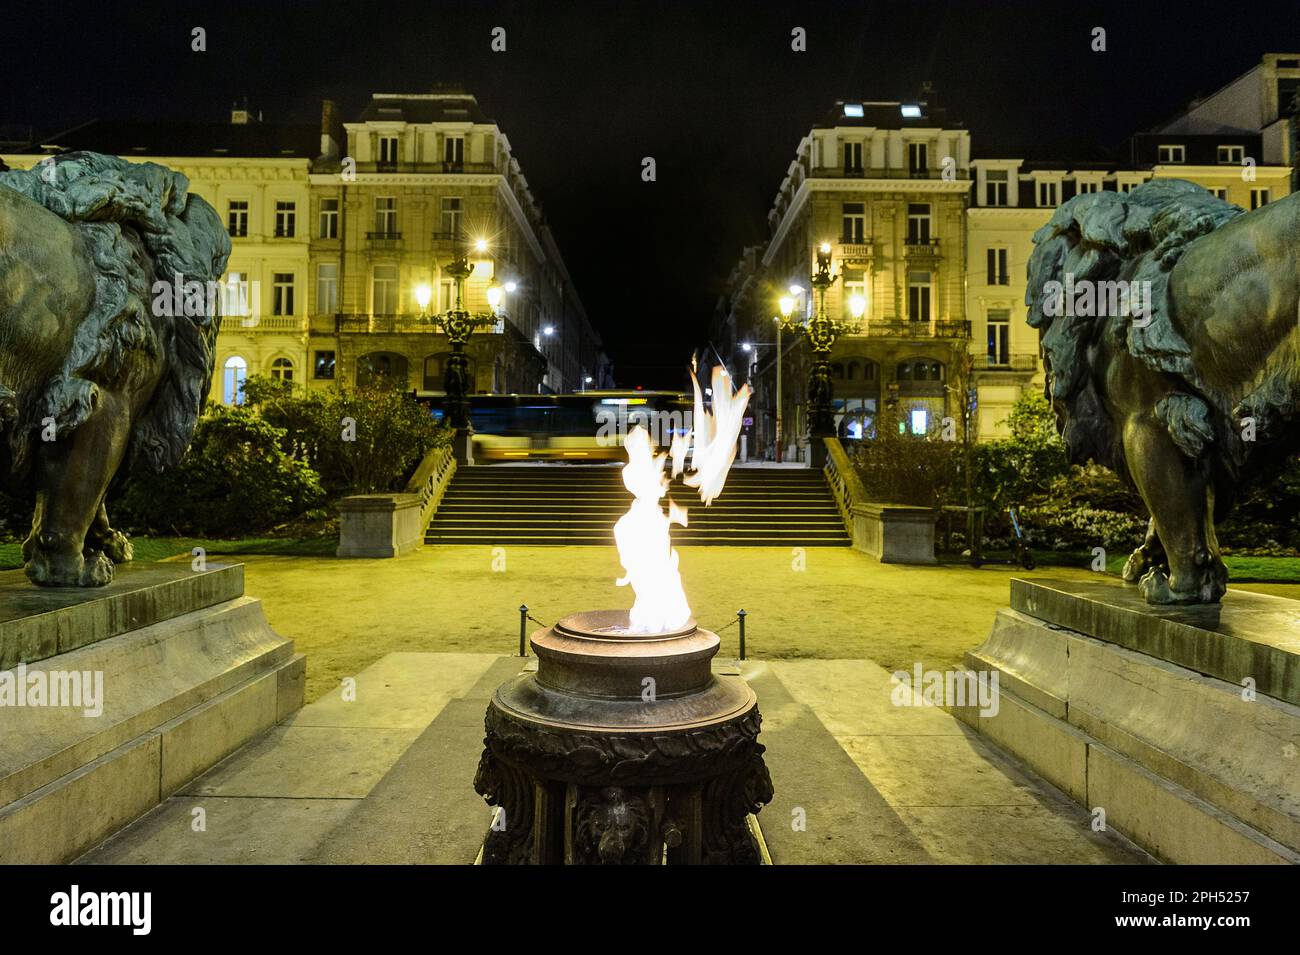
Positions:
{"x": 1180, "y": 723}
{"x": 895, "y": 533}
{"x": 380, "y": 525}
{"x": 187, "y": 670}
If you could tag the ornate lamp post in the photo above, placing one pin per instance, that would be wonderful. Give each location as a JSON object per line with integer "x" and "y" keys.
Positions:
{"x": 821, "y": 331}
{"x": 458, "y": 323}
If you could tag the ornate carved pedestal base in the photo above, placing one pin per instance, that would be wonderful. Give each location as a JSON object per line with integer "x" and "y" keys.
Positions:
{"x": 622, "y": 749}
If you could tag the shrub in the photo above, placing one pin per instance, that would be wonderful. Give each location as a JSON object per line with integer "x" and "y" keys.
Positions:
{"x": 388, "y": 436}
{"x": 235, "y": 477}
{"x": 904, "y": 469}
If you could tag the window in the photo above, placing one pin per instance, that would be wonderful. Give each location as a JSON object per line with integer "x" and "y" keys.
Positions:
{"x": 997, "y": 267}
{"x": 855, "y": 287}
{"x": 234, "y": 295}
{"x": 329, "y": 218}
{"x": 1232, "y": 154}
{"x": 853, "y": 157}
{"x": 1258, "y": 197}
{"x": 920, "y": 420}
{"x": 1085, "y": 186}
{"x": 999, "y": 336}
{"x": 282, "y": 369}
{"x": 1048, "y": 194}
{"x": 451, "y": 213}
{"x": 323, "y": 364}
{"x": 385, "y": 215}
{"x": 282, "y": 293}
{"x": 1220, "y": 192}
{"x": 918, "y": 223}
{"x": 447, "y": 294}
{"x": 1173, "y": 154}
{"x": 1127, "y": 187}
{"x": 237, "y": 218}
{"x": 384, "y": 288}
{"x": 327, "y": 288}
{"x": 388, "y": 151}
{"x": 854, "y": 219}
{"x": 918, "y": 158}
{"x": 918, "y": 296}
{"x": 995, "y": 187}
{"x": 453, "y": 150}
{"x": 286, "y": 215}
{"x": 234, "y": 374}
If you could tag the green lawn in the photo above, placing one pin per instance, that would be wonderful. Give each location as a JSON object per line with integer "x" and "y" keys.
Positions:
{"x": 161, "y": 548}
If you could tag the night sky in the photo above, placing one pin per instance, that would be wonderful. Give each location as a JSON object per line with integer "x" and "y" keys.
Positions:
{"x": 585, "y": 90}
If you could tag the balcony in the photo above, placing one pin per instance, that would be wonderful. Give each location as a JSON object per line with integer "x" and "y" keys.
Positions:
{"x": 1017, "y": 363}
{"x": 855, "y": 251}
{"x": 908, "y": 329}
{"x": 868, "y": 172}
{"x": 917, "y": 247}
{"x": 426, "y": 167}
{"x": 383, "y": 240}
{"x": 405, "y": 324}
{"x": 263, "y": 324}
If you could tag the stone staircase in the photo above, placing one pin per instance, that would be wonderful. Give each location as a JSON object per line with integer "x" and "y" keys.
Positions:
{"x": 579, "y": 504}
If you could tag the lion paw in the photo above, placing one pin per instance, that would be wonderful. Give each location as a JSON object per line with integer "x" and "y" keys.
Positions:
{"x": 118, "y": 547}
{"x": 97, "y": 570}
{"x": 51, "y": 568}
{"x": 1137, "y": 564}
{"x": 1156, "y": 589}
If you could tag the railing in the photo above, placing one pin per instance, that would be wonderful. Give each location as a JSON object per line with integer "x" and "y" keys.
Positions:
{"x": 856, "y": 251}
{"x": 430, "y": 481}
{"x": 1015, "y": 363}
{"x": 918, "y": 247}
{"x": 263, "y": 323}
{"x": 427, "y": 167}
{"x": 402, "y": 325}
{"x": 908, "y": 329}
{"x": 383, "y": 240}
{"x": 843, "y": 480}
{"x": 867, "y": 172}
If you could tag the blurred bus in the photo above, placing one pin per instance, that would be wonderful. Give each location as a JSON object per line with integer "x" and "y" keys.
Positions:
{"x": 579, "y": 428}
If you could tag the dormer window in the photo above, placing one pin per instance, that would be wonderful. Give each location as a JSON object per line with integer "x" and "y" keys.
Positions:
{"x": 1048, "y": 194}
{"x": 1232, "y": 155}
{"x": 388, "y": 150}
{"x": 1171, "y": 154}
{"x": 853, "y": 110}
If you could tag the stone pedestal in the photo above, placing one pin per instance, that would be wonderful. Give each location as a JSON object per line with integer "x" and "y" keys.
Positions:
{"x": 380, "y": 525}
{"x": 622, "y": 750}
{"x": 1180, "y": 724}
{"x": 187, "y": 670}
{"x": 895, "y": 533}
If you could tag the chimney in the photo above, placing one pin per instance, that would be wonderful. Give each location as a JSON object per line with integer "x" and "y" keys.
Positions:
{"x": 331, "y": 130}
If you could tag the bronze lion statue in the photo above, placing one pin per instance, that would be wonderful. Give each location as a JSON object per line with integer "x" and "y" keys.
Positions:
{"x": 1169, "y": 323}
{"x": 97, "y": 366}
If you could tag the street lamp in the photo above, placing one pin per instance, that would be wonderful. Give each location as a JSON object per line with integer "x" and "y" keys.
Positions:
{"x": 821, "y": 331}
{"x": 458, "y": 323}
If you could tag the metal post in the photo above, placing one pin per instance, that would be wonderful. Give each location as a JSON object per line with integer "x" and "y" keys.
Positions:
{"x": 741, "y": 614}
{"x": 779, "y": 435}
{"x": 523, "y": 629}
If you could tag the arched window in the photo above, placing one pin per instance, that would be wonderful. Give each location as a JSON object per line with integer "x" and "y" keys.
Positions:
{"x": 904, "y": 371}
{"x": 851, "y": 371}
{"x": 837, "y": 371}
{"x": 282, "y": 369}
{"x": 234, "y": 374}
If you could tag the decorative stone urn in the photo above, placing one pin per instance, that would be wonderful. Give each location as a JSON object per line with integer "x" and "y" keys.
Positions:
{"x": 622, "y": 749}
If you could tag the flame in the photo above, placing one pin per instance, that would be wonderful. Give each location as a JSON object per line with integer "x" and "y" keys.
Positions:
{"x": 642, "y": 534}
